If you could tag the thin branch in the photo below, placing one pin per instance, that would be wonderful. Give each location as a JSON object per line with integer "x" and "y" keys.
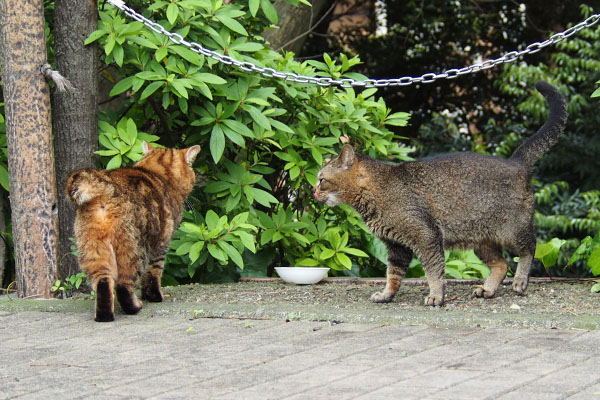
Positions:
{"x": 310, "y": 29}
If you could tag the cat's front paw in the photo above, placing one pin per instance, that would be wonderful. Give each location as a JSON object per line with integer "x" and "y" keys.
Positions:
{"x": 520, "y": 284}
{"x": 434, "y": 300}
{"x": 480, "y": 292}
{"x": 381, "y": 297}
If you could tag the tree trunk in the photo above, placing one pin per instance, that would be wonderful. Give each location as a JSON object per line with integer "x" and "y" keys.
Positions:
{"x": 2, "y": 241}
{"x": 294, "y": 25}
{"x": 75, "y": 119}
{"x": 29, "y": 143}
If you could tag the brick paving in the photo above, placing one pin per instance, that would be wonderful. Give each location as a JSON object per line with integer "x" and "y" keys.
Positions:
{"x": 67, "y": 355}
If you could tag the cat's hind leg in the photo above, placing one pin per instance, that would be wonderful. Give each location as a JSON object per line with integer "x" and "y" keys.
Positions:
{"x": 151, "y": 279}
{"x": 525, "y": 247}
{"x": 399, "y": 258}
{"x": 491, "y": 255}
{"x": 97, "y": 261}
{"x": 128, "y": 262}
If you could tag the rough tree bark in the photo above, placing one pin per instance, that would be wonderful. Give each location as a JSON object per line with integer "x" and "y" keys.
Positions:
{"x": 29, "y": 143}
{"x": 294, "y": 23}
{"x": 74, "y": 113}
{"x": 2, "y": 242}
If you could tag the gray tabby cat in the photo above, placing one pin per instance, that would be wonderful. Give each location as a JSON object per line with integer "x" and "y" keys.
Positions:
{"x": 460, "y": 200}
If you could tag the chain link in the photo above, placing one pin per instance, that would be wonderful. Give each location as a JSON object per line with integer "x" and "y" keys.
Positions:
{"x": 348, "y": 82}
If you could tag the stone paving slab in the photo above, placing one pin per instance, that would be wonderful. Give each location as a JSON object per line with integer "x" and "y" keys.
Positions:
{"x": 68, "y": 355}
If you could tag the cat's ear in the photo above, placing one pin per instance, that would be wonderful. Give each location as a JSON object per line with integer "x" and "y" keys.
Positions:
{"x": 347, "y": 157}
{"x": 191, "y": 153}
{"x": 146, "y": 147}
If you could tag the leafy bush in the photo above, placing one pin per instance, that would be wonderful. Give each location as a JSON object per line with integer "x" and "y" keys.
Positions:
{"x": 263, "y": 139}
{"x": 69, "y": 284}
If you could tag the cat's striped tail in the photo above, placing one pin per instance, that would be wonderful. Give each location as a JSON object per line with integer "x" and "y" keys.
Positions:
{"x": 534, "y": 147}
{"x": 87, "y": 184}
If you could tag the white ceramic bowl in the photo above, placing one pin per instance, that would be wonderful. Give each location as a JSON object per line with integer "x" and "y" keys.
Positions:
{"x": 301, "y": 275}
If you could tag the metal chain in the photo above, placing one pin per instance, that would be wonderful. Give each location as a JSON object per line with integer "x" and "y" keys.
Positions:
{"x": 348, "y": 82}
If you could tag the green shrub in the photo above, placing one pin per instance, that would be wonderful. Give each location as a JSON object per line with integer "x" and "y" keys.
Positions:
{"x": 263, "y": 139}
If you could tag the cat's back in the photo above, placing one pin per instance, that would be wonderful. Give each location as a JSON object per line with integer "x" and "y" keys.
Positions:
{"x": 468, "y": 168}
{"x": 116, "y": 185}
{"x": 135, "y": 182}
{"x": 455, "y": 183}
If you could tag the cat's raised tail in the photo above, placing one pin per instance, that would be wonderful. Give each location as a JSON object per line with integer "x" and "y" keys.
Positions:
{"x": 87, "y": 184}
{"x": 534, "y": 147}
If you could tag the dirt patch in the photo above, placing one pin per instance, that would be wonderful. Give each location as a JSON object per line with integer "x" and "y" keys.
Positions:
{"x": 545, "y": 304}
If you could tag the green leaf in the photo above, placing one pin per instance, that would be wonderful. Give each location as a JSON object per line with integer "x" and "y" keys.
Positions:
{"x": 307, "y": 262}
{"x": 151, "y": 88}
{"x": 282, "y": 127}
{"x": 114, "y": 162}
{"x": 107, "y": 153}
{"x": 217, "y": 143}
{"x": 109, "y": 45}
{"x": 118, "y": 55}
{"x": 172, "y": 13}
{"x": 216, "y": 187}
{"x": 354, "y": 252}
{"x": 209, "y": 78}
{"x": 4, "y": 181}
{"x": 234, "y": 137}
{"x": 258, "y": 117}
{"x": 269, "y": 11}
{"x": 122, "y": 86}
{"x": 548, "y": 252}
{"x": 263, "y": 198}
{"x": 216, "y": 252}
{"x": 253, "y": 6}
{"x": 247, "y": 240}
{"x": 232, "y": 24}
{"x": 212, "y": 220}
{"x": 130, "y": 134}
{"x": 180, "y": 90}
{"x": 187, "y": 54}
{"x": 238, "y": 127}
{"x": 327, "y": 253}
{"x": 596, "y": 287}
{"x": 594, "y": 261}
{"x": 344, "y": 260}
{"x": 453, "y": 273}
{"x": 246, "y": 46}
{"x": 95, "y": 36}
{"x": 161, "y": 53}
{"x": 195, "y": 250}
{"x": 143, "y": 42}
{"x": 183, "y": 248}
{"x": 232, "y": 253}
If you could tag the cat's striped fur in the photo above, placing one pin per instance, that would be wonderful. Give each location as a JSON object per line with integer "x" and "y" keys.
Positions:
{"x": 124, "y": 223}
{"x": 460, "y": 200}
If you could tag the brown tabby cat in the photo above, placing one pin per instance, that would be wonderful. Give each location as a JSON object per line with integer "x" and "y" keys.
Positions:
{"x": 125, "y": 219}
{"x": 460, "y": 200}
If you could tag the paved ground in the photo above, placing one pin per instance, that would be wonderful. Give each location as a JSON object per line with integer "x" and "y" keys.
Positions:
{"x": 193, "y": 355}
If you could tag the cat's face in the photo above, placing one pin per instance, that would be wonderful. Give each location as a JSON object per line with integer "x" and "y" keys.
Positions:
{"x": 335, "y": 179}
